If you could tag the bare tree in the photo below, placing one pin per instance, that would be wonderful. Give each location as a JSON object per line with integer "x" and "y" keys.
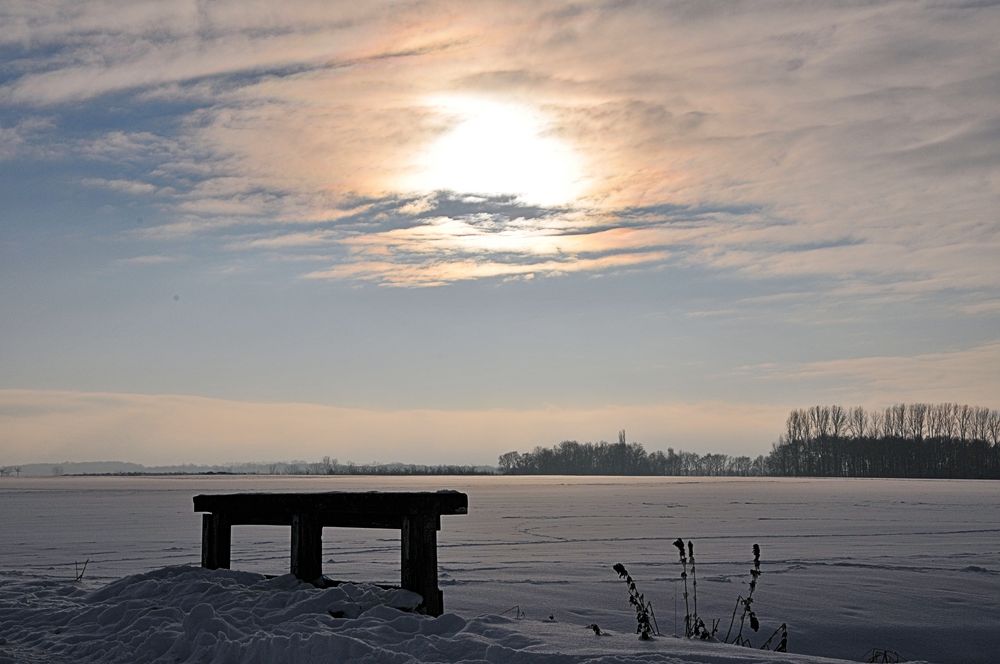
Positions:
{"x": 796, "y": 426}
{"x": 960, "y": 441}
{"x": 935, "y": 421}
{"x": 980, "y": 423}
{"x": 964, "y": 421}
{"x": 819, "y": 420}
{"x": 838, "y": 419}
{"x": 857, "y": 422}
{"x": 916, "y": 418}
{"x": 993, "y": 426}
{"x": 897, "y": 420}
{"x": 509, "y": 461}
{"x": 875, "y": 427}
{"x": 947, "y": 424}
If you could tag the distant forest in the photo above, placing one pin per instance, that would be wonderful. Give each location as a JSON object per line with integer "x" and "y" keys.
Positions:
{"x": 622, "y": 458}
{"x": 904, "y": 440}
{"x": 327, "y": 466}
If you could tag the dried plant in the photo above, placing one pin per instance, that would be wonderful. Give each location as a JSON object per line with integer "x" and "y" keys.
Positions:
{"x": 693, "y": 624}
{"x": 518, "y": 613}
{"x": 882, "y": 656}
{"x": 679, "y": 543}
{"x": 694, "y": 589}
{"x": 80, "y": 570}
{"x": 644, "y": 617}
{"x": 747, "y": 604}
{"x": 782, "y": 643}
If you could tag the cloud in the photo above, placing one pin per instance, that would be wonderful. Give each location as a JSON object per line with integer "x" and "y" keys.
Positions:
{"x": 133, "y": 187}
{"x": 164, "y": 428}
{"x": 18, "y": 138}
{"x": 446, "y": 238}
{"x": 286, "y": 240}
{"x": 437, "y": 274}
{"x": 150, "y": 259}
{"x": 963, "y": 375}
{"x": 811, "y": 124}
{"x": 150, "y": 46}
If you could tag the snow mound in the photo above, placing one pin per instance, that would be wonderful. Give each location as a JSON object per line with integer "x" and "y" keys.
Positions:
{"x": 189, "y": 614}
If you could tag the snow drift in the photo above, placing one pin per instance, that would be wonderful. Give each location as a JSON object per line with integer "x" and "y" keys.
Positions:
{"x": 188, "y": 614}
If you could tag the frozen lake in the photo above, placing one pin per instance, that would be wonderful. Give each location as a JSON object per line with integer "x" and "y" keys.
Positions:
{"x": 907, "y": 565}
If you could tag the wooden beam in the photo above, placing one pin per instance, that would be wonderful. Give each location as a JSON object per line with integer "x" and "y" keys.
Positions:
{"x": 419, "y": 571}
{"x": 279, "y": 507}
{"x": 216, "y": 541}
{"x": 307, "y": 546}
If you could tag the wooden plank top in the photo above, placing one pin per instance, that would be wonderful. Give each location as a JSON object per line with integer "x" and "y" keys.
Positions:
{"x": 332, "y": 507}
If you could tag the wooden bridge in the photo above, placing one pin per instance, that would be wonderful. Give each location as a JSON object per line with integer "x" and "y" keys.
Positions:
{"x": 417, "y": 515}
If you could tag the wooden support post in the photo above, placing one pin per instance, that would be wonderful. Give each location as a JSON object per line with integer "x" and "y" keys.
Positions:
{"x": 419, "y": 560}
{"x": 216, "y": 540}
{"x": 307, "y": 546}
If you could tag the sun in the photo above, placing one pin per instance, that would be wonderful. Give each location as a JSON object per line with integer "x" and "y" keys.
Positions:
{"x": 498, "y": 148}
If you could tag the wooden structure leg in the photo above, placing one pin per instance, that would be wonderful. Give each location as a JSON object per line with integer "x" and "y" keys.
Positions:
{"x": 307, "y": 547}
{"x": 216, "y": 540}
{"x": 419, "y": 560}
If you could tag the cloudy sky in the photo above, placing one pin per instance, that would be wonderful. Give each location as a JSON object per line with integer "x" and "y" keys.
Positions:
{"x": 435, "y": 231}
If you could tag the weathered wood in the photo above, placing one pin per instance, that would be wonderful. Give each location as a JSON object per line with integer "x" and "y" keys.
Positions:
{"x": 216, "y": 540}
{"x": 417, "y": 515}
{"x": 386, "y": 521}
{"x": 363, "y": 509}
{"x": 307, "y": 547}
{"x": 419, "y": 571}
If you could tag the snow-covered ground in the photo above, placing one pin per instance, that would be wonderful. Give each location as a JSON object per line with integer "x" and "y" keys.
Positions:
{"x": 850, "y": 565}
{"x": 187, "y": 614}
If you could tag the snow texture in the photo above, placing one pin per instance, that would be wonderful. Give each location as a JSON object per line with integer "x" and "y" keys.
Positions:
{"x": 850, "y": 565}
{"x": 188, "y": 614}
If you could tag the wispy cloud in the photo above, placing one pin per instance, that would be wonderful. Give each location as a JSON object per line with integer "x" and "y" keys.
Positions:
{"x": 150, "y": 259}
{"x": 154, "y": 44}
{"x": 135, "y": 187}
{"x": 851, "y": 143}
{"x": 964, "y": 374}
{"x": 436, "y": 274}
{"x": 15, "y": 138}
{"x": 444, "y": 238}
{"x": 287, "y": 240}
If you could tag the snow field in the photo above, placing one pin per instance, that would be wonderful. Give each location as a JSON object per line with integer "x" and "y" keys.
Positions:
{"x": 850, "y": 565}
{"x": 192, "y": 615}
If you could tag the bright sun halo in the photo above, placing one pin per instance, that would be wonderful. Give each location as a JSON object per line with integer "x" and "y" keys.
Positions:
{"x": 499, "y": 148}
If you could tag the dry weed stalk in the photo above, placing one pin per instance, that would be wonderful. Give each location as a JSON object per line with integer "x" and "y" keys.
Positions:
{"x": 644, "y": 616}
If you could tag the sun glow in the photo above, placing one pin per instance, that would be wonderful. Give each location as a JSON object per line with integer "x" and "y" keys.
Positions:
{"x": 498, "y": 148}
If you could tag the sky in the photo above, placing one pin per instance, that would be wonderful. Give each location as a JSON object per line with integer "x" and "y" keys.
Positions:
{"x": 438, "y": 231}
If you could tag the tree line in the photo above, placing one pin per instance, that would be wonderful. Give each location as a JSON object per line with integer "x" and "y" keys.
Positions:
{"x": 943, "y": 440}
{"x": 325, "y": 466}
{"x": 331, "y": 466}
{"x": 904, "y": 440}
{"x": 623, "y": 458}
